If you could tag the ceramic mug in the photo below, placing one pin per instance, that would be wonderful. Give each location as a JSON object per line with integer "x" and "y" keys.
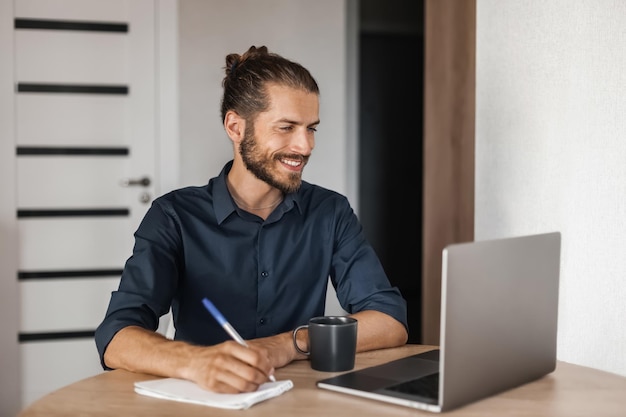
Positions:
{"x": 332, "y": 342}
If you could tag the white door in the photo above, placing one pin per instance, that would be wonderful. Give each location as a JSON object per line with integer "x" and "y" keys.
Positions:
{"x": 85, "y": 115}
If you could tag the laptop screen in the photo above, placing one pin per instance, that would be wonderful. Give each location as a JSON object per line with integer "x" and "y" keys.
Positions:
{"x": 499, "y": 308}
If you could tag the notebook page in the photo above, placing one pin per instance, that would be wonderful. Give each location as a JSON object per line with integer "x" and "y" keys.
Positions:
{"x": 186, "y": 391}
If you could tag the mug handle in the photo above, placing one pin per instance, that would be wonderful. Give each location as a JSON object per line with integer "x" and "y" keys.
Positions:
{"x": 295, "y": 343}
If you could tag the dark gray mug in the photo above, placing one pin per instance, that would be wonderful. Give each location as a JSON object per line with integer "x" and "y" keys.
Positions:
{"x": 332, "y": 343}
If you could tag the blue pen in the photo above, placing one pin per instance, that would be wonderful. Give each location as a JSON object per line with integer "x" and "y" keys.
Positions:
{"x": 227, "y": 326}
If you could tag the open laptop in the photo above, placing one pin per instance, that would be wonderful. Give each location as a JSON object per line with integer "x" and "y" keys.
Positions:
{"x": 499, "y": 306}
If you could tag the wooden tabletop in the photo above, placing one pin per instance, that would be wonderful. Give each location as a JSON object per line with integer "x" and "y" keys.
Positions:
{"x": 571, "y": 390}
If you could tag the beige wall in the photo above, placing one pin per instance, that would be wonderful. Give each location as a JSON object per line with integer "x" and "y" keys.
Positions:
{"x": 551, "y": 153}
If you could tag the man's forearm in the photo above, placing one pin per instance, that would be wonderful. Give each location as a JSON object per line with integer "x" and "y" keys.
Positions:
{"x": 139, "y": 350}
{"x": 377, "y": 330}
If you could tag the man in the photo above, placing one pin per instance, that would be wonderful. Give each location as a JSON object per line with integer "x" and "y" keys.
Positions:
{"x": 257, "y": 241}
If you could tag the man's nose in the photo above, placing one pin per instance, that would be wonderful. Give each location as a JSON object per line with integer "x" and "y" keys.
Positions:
{"x": 303, "y": 141}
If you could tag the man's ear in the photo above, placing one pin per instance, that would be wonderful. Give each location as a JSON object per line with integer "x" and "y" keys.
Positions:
{"x": 235, "y": 126}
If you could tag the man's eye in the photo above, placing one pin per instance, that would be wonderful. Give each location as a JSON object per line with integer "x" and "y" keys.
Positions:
{"x": 312, "y": 129}
{"x": 286, "y": 128}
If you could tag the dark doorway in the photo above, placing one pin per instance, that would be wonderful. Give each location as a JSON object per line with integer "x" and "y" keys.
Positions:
{"x": 391, "y": 45}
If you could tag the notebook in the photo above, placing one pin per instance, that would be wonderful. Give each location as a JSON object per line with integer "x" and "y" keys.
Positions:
{"x": 186, "y": 391}
{"x": 499, "y": 306}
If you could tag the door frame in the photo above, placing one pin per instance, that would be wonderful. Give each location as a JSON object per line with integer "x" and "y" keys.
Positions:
{"x": 449, "y": 143}
{"x": 10, "y": 378}
{"x": 167, "y": 163}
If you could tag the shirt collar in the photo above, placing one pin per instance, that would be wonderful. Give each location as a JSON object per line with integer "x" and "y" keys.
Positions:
{"x": 224, "y": 204}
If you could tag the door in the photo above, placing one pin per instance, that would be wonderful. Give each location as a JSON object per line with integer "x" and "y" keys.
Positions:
{"x": 85, "y": 115}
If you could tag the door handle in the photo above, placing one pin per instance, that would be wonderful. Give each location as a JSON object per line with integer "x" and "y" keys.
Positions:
{"x": 129, "y": 182}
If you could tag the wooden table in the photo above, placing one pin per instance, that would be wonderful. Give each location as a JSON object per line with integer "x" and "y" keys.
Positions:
{"x": 571, "y": 390}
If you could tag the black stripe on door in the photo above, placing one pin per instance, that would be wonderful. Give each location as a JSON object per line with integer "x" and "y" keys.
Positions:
{"x": 72, "y": 88}
{"x": 102, "y": 212}
{"x": 70, "y": 151}
{"x": 50, "y": 336}
{"x": 85, "y": 273}
{"x": 21, "y": 23}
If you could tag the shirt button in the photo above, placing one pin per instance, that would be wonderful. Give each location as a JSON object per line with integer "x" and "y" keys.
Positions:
{"x": 264, "y": 274}
{"x": 262, "y": 321}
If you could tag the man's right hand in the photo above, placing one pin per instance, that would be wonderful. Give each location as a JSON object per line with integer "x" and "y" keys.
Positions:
{"x": 230, "y": 367}
{"x": 227, "y": 367}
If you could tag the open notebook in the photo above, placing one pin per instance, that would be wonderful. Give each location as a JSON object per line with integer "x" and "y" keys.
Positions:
{"x": 499, "y": 310}
{"x": 186, "y": 391}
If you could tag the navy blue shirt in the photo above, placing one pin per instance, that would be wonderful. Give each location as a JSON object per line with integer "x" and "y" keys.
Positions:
{"x": 265, "y": 276}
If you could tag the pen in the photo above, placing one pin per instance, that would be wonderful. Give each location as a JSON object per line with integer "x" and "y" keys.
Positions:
{"x": 227, "y": 326}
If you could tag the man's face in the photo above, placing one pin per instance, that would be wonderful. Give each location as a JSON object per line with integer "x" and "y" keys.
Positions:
{"x": 277, "y": 144}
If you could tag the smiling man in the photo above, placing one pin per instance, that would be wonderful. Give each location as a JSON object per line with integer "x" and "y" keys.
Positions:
{"x": 257, "y": 240}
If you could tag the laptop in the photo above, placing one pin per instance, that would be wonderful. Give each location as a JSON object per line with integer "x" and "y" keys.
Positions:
{"x": 499, "y": 307}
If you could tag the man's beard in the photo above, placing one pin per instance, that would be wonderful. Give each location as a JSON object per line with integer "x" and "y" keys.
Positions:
{"x": 262, "y": 166}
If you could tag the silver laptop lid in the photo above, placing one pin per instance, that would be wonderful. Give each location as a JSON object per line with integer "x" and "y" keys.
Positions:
{"x": 499, "y": 312}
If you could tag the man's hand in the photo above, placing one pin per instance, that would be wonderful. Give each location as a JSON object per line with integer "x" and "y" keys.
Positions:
{"x": 230, "y": 368}
{"x": 279, "y": 348}
{"x": 227, "y": 367}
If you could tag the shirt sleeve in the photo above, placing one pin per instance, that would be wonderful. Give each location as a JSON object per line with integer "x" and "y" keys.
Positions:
{"x": 357, "y": 274}
{"x": 148, "y": 282}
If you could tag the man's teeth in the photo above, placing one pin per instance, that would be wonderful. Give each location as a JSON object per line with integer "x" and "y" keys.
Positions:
{"x": 292, "y": 163}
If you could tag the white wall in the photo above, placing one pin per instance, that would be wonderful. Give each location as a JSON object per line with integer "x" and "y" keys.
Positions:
{"x": 313, "y": 33}
{"x": 551, "y": 154}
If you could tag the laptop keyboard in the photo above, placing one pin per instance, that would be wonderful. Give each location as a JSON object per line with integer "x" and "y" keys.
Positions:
{"x": 425, "y": 386}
